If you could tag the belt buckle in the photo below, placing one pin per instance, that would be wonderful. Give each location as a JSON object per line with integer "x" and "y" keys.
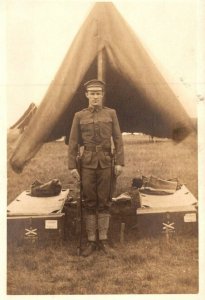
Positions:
{"x": 98, "y": 148}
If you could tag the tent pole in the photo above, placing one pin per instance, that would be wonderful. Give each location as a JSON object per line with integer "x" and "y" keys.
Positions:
{"x": 101, "y": 65}
{"x": 101, "y": 54}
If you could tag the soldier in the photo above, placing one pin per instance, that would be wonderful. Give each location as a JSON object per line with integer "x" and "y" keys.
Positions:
{"x": 94, "y": 127}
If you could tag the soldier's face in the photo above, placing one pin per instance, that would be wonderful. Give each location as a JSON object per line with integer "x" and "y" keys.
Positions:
{"x": 95, "y": 97}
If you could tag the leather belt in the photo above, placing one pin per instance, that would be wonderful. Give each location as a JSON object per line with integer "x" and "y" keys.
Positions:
{"x": 97, "y": 148}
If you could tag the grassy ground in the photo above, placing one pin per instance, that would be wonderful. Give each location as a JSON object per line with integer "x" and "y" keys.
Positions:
{"x": 144, "y": 265}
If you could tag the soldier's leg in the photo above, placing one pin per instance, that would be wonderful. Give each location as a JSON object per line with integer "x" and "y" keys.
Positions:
{"x": 103, "y": 225}
{"x": 104, "y": 193}
{"x": 104, "y": 190}
{"x": 89, "y": 195}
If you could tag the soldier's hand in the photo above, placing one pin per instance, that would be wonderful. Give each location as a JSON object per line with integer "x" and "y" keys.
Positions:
{"x": 118, "y": 170}
{"x": 75, "y": 174}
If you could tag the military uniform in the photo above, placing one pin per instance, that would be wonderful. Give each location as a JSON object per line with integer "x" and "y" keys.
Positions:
{"x": 93, "y": 128}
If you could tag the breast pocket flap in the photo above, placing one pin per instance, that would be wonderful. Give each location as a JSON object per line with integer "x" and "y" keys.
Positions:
{"x": 86, "y": 121}
{"x": 105, "y": 120}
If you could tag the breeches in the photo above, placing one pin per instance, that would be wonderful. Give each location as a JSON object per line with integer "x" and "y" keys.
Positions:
{"x": 96, "y": 189}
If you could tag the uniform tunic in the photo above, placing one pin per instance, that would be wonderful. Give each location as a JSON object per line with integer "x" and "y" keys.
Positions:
{"x": 94, "y": 128}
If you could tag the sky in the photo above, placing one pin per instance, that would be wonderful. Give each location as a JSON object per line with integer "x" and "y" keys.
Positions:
{"x": 39, "y": 33}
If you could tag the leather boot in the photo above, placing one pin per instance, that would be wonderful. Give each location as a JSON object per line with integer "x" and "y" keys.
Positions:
{"x": 90, "y": 248}
{"x": 105, "y": 247}
{"x": 91, "y": 226}
{"x": 103, "y": 226}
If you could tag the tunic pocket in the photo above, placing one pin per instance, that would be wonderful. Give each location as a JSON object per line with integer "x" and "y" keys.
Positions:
{"x": 105, "y": 120}
{"x": 86, "y": 157}
{"x": 86, "y": 127}
{"x": 107, "y": 157}
{"x": 105, "y": 125}
{"x": 86, "y": 121}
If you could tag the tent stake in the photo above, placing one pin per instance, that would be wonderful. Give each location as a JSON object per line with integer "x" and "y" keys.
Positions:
{"x": 122, "y": 231}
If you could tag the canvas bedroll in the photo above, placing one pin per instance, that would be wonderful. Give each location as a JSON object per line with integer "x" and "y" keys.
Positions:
{"x": 134, "y": 87}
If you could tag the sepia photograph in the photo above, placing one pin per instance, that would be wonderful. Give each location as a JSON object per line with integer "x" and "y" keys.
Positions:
{"x": 104, "y": 148}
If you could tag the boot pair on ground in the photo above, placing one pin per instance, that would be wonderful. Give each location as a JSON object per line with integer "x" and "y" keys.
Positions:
{"x": 101, "y": 245}
{"x": 97, "y": 226}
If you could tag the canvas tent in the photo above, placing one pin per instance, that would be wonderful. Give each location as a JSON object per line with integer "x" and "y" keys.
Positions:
{"x": 107, "y": 48}
{"x": 16, "y": 130}
{"x": 25, "y": 119}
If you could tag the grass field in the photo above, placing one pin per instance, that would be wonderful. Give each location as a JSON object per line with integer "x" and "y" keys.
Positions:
{"x": 144, "y": 265}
